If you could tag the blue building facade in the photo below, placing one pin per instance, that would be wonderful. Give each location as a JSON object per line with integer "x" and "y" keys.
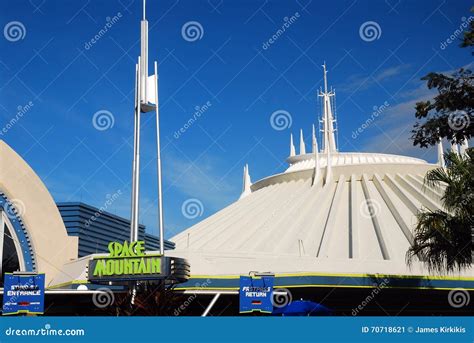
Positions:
{"x": 96, "y": 228}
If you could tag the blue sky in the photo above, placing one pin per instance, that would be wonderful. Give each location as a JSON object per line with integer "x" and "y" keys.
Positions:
{"x": 232, "y": 66}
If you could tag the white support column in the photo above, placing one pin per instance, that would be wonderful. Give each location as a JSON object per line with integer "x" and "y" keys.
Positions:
{"x": 404, "y": 226}
{"x": 158, "y": 167}
{"x": 330, "y": 226}
{"x": 354, "y": 237}
{"x": 370, "y": 201}
{"x": 136, "y": 160}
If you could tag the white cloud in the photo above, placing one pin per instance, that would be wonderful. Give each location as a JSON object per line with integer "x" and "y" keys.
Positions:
{"x": 394, "y": 125}
{"x": 203, "y": 180}
{"x": 362, "y": 82}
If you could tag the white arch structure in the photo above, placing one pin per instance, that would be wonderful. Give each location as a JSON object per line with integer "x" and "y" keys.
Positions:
{"x": 43, "y": 231}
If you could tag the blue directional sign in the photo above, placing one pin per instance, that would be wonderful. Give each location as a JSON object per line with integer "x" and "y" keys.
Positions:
{"x": 23, "y": 293}
{"x": 256, "y": 294}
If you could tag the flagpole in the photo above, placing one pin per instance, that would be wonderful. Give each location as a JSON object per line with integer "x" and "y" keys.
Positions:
{"x": 158, "y": 160}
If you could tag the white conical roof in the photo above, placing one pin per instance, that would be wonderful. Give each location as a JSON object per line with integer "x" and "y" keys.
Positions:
{"x": 366, "y": 213}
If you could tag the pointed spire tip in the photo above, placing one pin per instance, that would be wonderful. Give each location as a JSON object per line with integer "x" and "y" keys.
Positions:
{"x": 302, "y": 144}
{"x": 292, "y": 146}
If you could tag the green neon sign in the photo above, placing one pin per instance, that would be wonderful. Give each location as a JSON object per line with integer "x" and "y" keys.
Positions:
{"x": 127, "y": 260}
{"x": 126, "y": 249}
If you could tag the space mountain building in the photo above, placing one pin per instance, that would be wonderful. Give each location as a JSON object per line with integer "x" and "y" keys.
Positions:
{"x": 333, "y": 226}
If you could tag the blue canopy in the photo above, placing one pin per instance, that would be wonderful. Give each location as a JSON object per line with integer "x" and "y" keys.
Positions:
{"x": 303, "y": 308}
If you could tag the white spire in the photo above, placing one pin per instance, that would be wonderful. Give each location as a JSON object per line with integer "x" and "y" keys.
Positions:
{"x": 329, "y": 141}
{"x": 292, "y": 146}
{"x": 463, "y": 147}
{"x": 455, "y": 148}
{"x": 302, "y": 145}
{"x": 316, "y": 172}
{"x": 325, "y": 78}
{"x": 246, "y": 183}
{"x": 146, "y": 100}
{"x": 440, "y": 154}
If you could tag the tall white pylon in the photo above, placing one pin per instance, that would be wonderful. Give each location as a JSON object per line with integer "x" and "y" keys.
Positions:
{"x": 146, "y": 100}
{"x": 246, "y": 183}
{"x": 302, "y": 145}
{"x": 134, "y": 221}
{"x": 329, "y": 140}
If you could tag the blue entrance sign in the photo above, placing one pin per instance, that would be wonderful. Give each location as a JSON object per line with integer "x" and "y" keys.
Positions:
{"x": 256, "y": 294}
{"x": 23, "y": 293}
